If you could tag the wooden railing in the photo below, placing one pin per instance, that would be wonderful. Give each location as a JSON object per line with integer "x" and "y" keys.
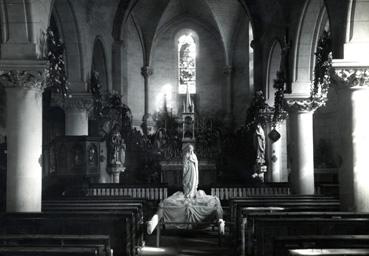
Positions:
{"x": 225, "y": 193}
{"x": 149, "y": 192}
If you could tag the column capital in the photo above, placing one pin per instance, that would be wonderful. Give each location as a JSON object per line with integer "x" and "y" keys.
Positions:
{"x": 77, "y": 101}
{"x": 228, "y": 70}
{"x": 146, "y": 71}
{"x": 27, "y": 74}
{"x": 351, "y": 74}
{"x": 301, "y": 105}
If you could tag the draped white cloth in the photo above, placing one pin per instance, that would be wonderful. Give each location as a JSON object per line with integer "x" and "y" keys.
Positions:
{"x": 190, "y": 206}
{"x": 198, "y": 209}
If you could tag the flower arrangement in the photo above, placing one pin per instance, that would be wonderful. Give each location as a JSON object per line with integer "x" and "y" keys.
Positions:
{"x": 279, "y": 113}
{"x": 323, "y": 66}
{"x": 56, "y": 77}
{"x": 95, "y": 89}
{"x": 258, "y": 111}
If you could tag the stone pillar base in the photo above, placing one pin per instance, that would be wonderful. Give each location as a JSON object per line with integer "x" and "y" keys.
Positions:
{"x": 115, "y": 173}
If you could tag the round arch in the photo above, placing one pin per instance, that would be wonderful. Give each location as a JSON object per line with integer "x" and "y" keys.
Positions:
{"x": 313, "y": 20}
{"x": 274, "y": 61}
{"x": 64, "y": 15}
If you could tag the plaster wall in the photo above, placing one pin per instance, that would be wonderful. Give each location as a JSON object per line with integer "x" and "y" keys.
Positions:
{"x": 211, "y": 80}
{"x": 242, "y": 93}
{"x": 135, "y": 81}
{"x": 93, "y": 18}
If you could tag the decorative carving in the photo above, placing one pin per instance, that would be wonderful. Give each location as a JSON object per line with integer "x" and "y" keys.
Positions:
{"x": 353, "y": 76}
{"x": 301, "y": 105}
{"x": 30, "y": 79}
{"x": 76, "y": 102}
{"x": 228, "y": 70}
{"x": 146, "y": 71}
{"x": 92, "y": 155}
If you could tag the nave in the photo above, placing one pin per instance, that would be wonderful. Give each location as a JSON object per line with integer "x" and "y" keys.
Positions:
{"x": 256, "y": 225}
{"x": 244, "y": 119}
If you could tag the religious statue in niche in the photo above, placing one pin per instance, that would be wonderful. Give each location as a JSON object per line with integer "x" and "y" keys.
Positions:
{"x": 259, "y": 145}
{"x": 92, "y": 155}
{"x": 77, "y": 156}
{"x": 117, "y": 153}
{"x": 117, "y": 148}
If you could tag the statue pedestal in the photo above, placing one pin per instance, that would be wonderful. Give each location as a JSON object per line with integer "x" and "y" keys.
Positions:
{"x": 115, "y": 173}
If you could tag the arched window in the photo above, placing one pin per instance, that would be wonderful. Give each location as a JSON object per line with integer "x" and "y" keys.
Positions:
{"x": 187, "y": 63}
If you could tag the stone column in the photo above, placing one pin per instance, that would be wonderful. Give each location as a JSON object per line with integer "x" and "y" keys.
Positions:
{"x": 24, "y": 82}
{"x": 77, "y": 108}
{"x": 146, "y": 72}
{"x": 351, "y": 78}
{"x": 301, "y": 146}
{"x": 228, "y": 71}
{"x": 277, "y": 154}
{"x": 352, "y": 83}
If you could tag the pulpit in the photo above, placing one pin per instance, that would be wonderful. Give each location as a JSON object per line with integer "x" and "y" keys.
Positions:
{"x": 77, "y": 156}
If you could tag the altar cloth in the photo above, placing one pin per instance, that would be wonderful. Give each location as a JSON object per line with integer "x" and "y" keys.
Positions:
{"x": 197, "y": 210}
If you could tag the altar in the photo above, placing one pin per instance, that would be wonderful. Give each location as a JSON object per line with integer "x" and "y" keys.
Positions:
{"x": 172, "y": 172}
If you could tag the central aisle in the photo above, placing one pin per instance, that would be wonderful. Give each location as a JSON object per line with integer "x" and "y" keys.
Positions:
{"x": 189, "y": 243}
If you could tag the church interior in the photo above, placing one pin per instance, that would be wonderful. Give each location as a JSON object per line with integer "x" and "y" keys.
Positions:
{"x": 184, "y": 127}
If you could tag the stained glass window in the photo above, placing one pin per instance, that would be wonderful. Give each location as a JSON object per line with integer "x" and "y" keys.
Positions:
{"x": 186, "y": 64}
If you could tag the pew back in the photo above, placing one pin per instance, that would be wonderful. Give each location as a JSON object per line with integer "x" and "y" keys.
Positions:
{"x": 116, "y": 225}
{"x": 284, "y": 243}
{"x": 100, "y": 243}
{"x": 265, "y": 230}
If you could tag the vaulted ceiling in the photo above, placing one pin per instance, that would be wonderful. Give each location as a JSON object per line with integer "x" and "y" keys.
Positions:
{"x": 220, "y": 16}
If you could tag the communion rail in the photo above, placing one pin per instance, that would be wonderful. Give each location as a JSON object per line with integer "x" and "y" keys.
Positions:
{"x": 225, "y": 193}
{"x": 149, "y": 192}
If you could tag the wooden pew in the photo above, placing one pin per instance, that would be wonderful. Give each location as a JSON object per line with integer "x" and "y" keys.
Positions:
{"x": 291, "y": 203}
{"x": 265, "y": 230}
{"x": 248, "y": 231}
{"x": 237, "y": 203}
{"x": 139, "y": 204}
{"x": 144, "y": 204}
{"x": 47, "y": 251}
{"x": 137, "y": 229}
{"x": 99, "y": 243}
{"x": 116, "y": 225}
{"x": 137, "y": 207}
{"x": 329, "y": 252}
{"x": 284, "y": 243}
